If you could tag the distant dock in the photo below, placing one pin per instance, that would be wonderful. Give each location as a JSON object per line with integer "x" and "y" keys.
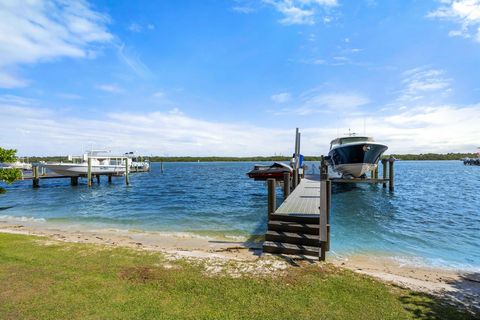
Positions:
{"x": 39, "y": 173}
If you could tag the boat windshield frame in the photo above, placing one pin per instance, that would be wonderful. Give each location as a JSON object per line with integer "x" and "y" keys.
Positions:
{"x": 351, "y": 139}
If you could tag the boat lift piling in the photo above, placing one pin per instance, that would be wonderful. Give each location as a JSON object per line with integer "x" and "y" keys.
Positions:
{"x": 89, "y": 172}
{"x": 127, "y": 181}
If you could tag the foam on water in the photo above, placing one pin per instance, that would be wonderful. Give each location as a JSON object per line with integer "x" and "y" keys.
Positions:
{"x": 21, "y": 218}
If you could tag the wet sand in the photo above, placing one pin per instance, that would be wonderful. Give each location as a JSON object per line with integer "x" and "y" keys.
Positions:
{"x": 455, "y": 285}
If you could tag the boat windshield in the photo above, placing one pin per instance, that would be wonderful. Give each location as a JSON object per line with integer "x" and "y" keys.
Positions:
{"x": 354, "y": 139}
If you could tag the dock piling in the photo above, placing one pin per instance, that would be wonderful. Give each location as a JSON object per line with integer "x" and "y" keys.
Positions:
{"x": 161, "y": 166}
{"x": 89, "y": 172}
{"x": 127, "y": 181}
{"x": 98, "y": 179}
{"x": 286, "y": 185}
{"x": 35, "y": 180}
{"x": 384, "y": 171}
{"x": 109, "y": 178}
{"x": 272, "y": 205}
{"x": 391, "y": 177}
{"x": 325, "y": 206}
{"x": 74, "y": 181}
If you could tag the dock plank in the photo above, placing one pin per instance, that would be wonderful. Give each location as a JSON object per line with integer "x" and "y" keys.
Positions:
{"x": 304, "y": 200}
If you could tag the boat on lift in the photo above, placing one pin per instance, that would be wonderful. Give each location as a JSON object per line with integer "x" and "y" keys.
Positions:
{"x": 352, "y": 156}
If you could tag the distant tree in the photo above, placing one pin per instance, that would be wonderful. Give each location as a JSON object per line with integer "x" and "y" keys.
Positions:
{"x": 8, "y": 175}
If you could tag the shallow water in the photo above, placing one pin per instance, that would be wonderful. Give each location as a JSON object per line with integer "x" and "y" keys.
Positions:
{"x": 433, "y": 217}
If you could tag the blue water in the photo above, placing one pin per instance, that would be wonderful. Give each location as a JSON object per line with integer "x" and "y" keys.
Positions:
{"x": 433, "y": 215}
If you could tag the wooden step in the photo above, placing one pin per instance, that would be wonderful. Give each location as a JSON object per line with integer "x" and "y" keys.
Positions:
{"x": 293, "y": 238}
{"x": 287, "y": 248}
{"x": 309, "y": 219}
{"x": 305, "y": 228}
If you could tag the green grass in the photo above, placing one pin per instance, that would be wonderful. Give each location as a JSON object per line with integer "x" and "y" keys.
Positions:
{"x": 49, "y": 280}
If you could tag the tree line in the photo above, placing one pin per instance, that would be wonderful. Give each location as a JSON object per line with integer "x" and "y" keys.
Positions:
{"x": 422, "y": 156}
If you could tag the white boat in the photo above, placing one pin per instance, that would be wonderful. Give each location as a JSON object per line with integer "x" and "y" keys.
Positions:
{"x": 100, "y": 164}
{"x": 16, "y": 165}
{"x": 353, "y": 156}
{"x": 137, "y": 163}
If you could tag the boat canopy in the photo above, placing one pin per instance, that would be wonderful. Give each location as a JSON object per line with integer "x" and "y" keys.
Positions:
{"x": 345, "y": 140}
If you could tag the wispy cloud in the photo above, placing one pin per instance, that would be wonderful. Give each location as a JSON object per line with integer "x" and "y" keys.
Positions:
{"x": 36, "y": 31}
{"x": 465, "y": 13}
{"x": 281, "y": 97}
{"x": 314, "y": 102}
{"x": 244, "y": 9}
{"x": 423, "y": 82}
{"x": 69, "y": 96}
{"x": 110, "y": 88}
{"x": 301, "y": 11}
{"x": 133, "y": 61}
{"x": 136, "y": 27}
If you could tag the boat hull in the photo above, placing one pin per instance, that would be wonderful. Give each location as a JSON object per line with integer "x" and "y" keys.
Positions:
{"x": 355, "y": 160}
{"x": 275, "y": 171}
{"x": 81, "y": 170}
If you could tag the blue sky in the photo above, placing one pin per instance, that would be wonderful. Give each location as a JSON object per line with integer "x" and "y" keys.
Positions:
{"x": 237, "y": 77}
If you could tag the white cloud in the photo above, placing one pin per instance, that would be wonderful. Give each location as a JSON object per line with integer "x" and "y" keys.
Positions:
{"x": 41, "y": 131}
{"x": 420, "y": 83}
{"x": 281, "y": 97}
{"x": 465, "y": 13}
{"x": 314, "y": 102}
{"x": 9, "y": 81}
{"x": 158, "y": 94}
{"x": 133, "y": 61}
{"x": 37, "y": 31}
{"x": 111, "y": 88}
{"x": 69, "y": 96}
{"x": 443, "y": 128}
{"x": 243, "y": 9}
{"x": 135, "y": 27}
{"x": 300, "y": 11}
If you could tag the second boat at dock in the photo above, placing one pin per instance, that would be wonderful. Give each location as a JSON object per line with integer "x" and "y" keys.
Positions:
{"x": 100, "y": 164}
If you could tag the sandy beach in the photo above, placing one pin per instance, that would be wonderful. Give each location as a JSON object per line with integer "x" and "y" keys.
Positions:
{"x": 454, "y": 285}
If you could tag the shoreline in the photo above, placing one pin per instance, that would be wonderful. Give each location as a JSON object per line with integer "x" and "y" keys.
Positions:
{"x": 462, "y": 287}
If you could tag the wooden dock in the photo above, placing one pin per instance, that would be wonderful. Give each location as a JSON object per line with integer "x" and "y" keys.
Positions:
{"x": 300, "y": 225}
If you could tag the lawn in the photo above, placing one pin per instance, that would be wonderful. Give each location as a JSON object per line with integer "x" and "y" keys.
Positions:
{"x": 42, "y": 279}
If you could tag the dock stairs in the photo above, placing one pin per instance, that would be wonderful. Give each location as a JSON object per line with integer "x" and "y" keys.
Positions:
{"x": 293, "y": 234}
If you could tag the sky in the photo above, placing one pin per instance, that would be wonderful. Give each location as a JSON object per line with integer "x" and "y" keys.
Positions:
{"x": 236, "y": 77}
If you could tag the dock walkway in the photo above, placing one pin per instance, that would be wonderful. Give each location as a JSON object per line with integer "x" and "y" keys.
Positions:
{"x": 304, "y": 200}
{"x": 296, "y": 226}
